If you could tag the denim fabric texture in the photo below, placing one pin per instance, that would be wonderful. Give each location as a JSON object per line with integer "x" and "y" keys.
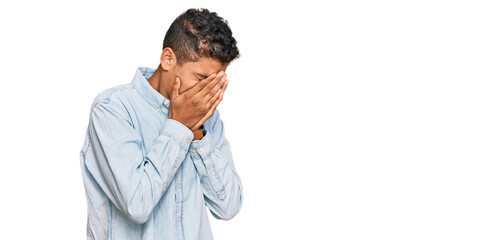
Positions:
{"x": 144, "y": 175}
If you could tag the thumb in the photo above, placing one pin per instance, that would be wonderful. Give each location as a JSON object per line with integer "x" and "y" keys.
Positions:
{"x": 175, "y": 91}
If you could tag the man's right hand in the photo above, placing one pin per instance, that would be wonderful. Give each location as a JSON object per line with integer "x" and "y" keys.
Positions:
{"x": 193, "y": 107}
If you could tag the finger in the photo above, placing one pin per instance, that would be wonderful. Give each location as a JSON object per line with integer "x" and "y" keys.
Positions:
{"x": 226, "y": 83}
{"x": 219, "y": 96}
{"x": 213, "y": 84}
{"x": 210, "y": 95}
{"x": 213, "y": 99}
{"x": 222, "y": 91}
{"x": 212, "y": 109}
{"x": 200, "y": 85}
{"x": 175, "y": 91}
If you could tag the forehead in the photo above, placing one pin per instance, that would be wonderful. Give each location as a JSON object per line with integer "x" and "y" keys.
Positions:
{"x": 205, "y": 66}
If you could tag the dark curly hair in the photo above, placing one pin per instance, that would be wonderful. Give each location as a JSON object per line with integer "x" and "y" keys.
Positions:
{"x": 200, "y": 33}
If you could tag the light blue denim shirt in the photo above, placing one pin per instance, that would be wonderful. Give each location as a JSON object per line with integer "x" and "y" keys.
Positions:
{"x": 145, "y": 177}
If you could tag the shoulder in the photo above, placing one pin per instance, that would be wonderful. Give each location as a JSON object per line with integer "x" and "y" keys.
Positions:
{"x": 114, "y": 95}
{"x": 112, "y": 100}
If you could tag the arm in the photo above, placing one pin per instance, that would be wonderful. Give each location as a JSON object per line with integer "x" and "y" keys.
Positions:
{"x": 221, "y": 184}
{"x": 132, "y": 181}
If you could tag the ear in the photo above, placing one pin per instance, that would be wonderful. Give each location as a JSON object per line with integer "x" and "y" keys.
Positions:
{"x": 168, "y": 59}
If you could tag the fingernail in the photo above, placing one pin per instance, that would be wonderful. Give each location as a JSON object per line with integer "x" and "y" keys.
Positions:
{"x": 220, "y": 74}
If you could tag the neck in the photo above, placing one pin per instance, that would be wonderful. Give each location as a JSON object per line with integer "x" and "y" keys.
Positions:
{"x": 159, "y": 84}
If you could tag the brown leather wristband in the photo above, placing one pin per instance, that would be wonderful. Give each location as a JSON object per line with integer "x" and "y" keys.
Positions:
{"x": 198, "y": 134}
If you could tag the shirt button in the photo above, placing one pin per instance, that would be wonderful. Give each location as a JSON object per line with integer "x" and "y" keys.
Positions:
{"x": 213, "y": 173}
{"x": 176, "y": 165}
{"x": 166, "y": 102}
{"x": 178, "y": 185}
{"x": 187, "y": 141}
{"x": 201, "y": 149}
{"x": 158, "y": 109}
{"x": 193, "y": 150}
{"x": 179, "y": 219}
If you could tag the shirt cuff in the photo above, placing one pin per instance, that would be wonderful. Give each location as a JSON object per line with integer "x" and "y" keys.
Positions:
{"x": 204, "y": 146}
{"x": 178, "y": 132}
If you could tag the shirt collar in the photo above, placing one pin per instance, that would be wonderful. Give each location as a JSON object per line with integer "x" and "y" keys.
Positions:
{"x": 145, "y": 89}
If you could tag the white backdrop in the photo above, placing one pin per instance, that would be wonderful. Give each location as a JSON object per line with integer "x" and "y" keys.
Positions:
{"x": 348, "y": 120}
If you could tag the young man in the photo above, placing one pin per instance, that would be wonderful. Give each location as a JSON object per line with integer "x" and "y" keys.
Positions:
{"x": 155, "y": 153}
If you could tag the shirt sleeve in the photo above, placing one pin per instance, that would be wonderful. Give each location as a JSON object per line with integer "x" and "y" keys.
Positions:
{"x": 220, "y": 181}
{"x": 132, "y": 180}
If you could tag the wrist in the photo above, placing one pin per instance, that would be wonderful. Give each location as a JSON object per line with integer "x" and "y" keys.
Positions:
{"x": 198, "y": 134}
